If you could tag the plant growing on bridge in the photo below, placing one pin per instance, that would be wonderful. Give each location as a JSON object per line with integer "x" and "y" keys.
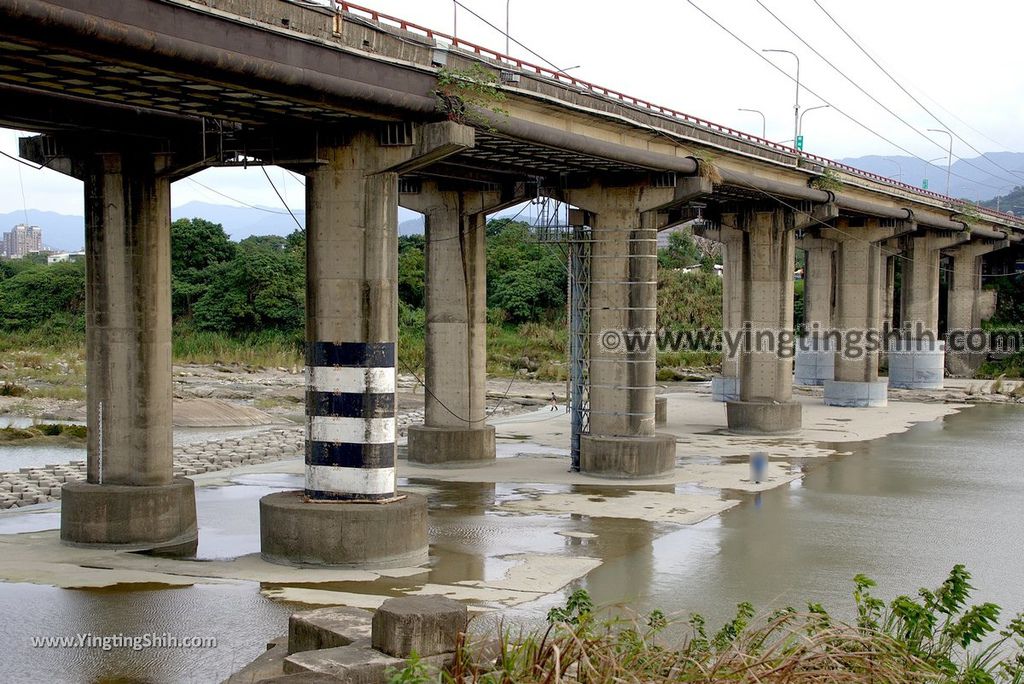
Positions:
{"x": 828, "y": 181}
{"x": 706, "y": 167}
{"x": 464, "y": 94}
{"x": 968, "y": 212}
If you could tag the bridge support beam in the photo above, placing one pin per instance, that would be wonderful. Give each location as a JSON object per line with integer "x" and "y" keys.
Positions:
{"x": 968, "y": 305}
{"x": 857, "y": 315}
{"x": 623, "y": 297}
{"x": 350, "y": 512}
{"x": 130, "y": 499}
{"x": 454, "y": 428}
{"x": 766, "y": 404}
{"x": 726, "y": 387}
{"x": 815, "y": 355}
{"x": 918, "y": 361}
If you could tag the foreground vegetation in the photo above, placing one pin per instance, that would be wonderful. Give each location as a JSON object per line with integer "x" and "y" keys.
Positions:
{"x": 933, "y": 637}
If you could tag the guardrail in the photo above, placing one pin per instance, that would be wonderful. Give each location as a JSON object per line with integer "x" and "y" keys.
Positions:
{"x": 554, "y": 74}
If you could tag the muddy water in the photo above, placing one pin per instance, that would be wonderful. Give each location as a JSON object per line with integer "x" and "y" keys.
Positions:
{"x": 902, "y": 510}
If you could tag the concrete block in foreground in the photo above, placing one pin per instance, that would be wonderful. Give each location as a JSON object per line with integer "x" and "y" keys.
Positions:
{"x": 857, "y": 394}
{"x": 425, "y": 625}
{"x": 156, "y": 518}
{"x": 355, "y": 664}
{"x": 627, "y": 457}
{"x": 440, "y": 445}
{"x": 309, "y": 630}
{"x": 296, "y": 532}
{"x": 763, "y": 418}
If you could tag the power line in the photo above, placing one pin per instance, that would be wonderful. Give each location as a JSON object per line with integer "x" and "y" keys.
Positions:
{"x": 237, "y": 201}
{"x": 812, "y": 92}
{"x": 535, "y": 54}
{"x": 879, "y": 102}
{"x": 278, "y": 193}
{"x": 910, "y": 95}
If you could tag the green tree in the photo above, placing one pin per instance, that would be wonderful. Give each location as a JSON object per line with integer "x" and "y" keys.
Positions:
{"x": 681, "y": 251}
{"x": 197, "y": 246}
{"x": 43, "y": 295}
{"x": 261, "y": 288}
{"x": 526, "y": 279}
{"x": 412, "y": 264}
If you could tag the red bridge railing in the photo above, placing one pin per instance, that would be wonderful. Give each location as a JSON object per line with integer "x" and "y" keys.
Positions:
{"x": 562, "y": 77}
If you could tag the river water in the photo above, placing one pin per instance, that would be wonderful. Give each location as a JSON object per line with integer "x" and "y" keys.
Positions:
{"x": 902, "y": 510}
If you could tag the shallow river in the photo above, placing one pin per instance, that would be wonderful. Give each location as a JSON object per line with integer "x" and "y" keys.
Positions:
{"x": 902, "y": 510}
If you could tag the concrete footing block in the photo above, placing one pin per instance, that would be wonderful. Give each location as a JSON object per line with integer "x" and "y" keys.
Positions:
{"x": 916, "y": 364}
{"x": 857, "y": 394}
{"x": 815, "y": 362}
{"x": 310, "y": 630}
{"x": 425, "y": 625}
{"x": 660, "y": 410}
{"x": 294, "y": 531}
{"x": 725, "y": 389}
{"x": 763, "y": 418}
{"x": 440, "y": 445}
{"x": 355, "y": 664}
{"x": 627, "y": 457}
{"x": 160, "y": 518}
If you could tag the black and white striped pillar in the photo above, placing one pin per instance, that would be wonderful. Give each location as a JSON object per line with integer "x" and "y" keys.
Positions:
{"x": 350, "y": 421}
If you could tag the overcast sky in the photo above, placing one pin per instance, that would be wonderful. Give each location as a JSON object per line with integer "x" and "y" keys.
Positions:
{"x": 961, "y": 59}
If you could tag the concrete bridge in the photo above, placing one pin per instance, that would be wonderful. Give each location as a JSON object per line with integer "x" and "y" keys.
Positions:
{"x": 129, "y": 96}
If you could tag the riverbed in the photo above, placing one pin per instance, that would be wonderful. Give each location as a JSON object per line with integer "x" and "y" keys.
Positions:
{"x": 902, "y": 509}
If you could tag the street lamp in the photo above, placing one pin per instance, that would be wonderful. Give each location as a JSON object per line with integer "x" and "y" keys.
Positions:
{"x": 796, "y": 103}
{"x": 949, "y": 158}
{"x": 763, "y": 121}
{"x": 800, "y": 123}
{"x": 507, "y": 4}
{"x": 927, "y": 163}
{"x": 899, "y": 169}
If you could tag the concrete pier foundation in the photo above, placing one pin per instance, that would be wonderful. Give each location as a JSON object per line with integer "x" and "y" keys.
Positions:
{"x": 350, "y": 512}
{"x": 766, "y": 404}
{"x": 623, "y": 297}
{"x": 815, "y": 355}
{"x": 130, "y": 499}
{"x": 968, "y": 305}
{"x": 918, "y": 362}
{"x": 454, "y": 428}
{"x": 857, "y": 313}
{"x": 726, "y": 386}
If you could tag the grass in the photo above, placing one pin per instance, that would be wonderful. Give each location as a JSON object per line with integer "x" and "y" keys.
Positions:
{"x": 935, "y": 637}
{"x": 48, "y": 433}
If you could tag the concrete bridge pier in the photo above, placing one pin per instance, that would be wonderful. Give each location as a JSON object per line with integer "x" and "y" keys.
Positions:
{"x": 623, "y": 297}
{"x": 765, "y": 405}
{"x": 857, "y": 314}
{"x": 350, "y": 512}
{"x": 726, "y": 387}
{"x": 815, "y": 356}
{"x": 454, "y": 427}
{"x": 918, "y": 362}
{"x": 968, "y": 304}
{"x": 130, "y": 499}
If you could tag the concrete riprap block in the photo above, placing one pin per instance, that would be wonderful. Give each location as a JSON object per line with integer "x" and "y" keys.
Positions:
{"x": 310, "y": 630}
{"x": 426, "y": 625}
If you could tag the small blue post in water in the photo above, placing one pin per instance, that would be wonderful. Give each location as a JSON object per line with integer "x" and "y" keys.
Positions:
{"x": 758, "y": 465}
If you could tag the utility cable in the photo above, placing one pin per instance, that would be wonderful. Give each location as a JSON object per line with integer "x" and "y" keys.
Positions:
{"x": 850, "y": 117}
{"x": 880, "y": 103}
{"x": 910, "y": 95}
{"x": 278, "y": 193}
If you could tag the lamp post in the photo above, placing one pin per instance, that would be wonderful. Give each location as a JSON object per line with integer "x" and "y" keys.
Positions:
{"x": 949, "y": 158}
{"x": 763, "y": 121}
{"x": 507, "y": 4}
{"x": 899, "y": 169}
{"x": 800, "y": 122}
{"x": 928, "y": 162}
{"x": 796, "y": 102}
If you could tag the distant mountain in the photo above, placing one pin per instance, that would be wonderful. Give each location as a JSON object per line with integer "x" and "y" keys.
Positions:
{"x": 67, "y": 232}
{"x": 982, "y": 181}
